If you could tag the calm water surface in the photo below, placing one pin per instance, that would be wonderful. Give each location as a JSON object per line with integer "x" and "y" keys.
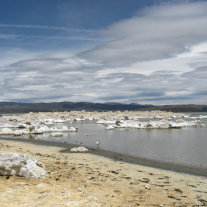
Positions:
{"x": 180, "y": 146}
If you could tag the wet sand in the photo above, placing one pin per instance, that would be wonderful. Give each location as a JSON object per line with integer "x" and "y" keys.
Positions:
{"x": 86, "y": 179}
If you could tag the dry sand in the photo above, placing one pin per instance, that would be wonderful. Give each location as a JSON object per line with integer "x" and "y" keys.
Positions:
{"x": 85, "y": 179}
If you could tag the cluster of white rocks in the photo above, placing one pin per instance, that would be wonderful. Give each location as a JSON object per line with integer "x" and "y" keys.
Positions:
{"x": 36, "y": 129}
{"x": 152, "y": 124}
{"x": 199, "y": 117}
{"x": 155, "y": 120}
{"x": 56, "y": 123}
{"x": 152, "y": 120}
{"x": 20, "y": 165}
{"x": 34, "y": 123}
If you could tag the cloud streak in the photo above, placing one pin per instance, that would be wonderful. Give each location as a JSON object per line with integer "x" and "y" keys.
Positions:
{"x": 46, "y": 27}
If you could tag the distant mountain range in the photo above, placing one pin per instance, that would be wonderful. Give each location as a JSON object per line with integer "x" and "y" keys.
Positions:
{"x": 13, "y": 107}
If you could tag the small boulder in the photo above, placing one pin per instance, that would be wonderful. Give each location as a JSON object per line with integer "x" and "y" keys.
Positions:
{"x": 73, "y": 129}
{"x": 20, "y": 165}
{"x": 79, "y": 149}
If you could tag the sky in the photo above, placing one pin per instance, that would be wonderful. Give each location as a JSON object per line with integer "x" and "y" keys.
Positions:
{"x": 128, "y": 51}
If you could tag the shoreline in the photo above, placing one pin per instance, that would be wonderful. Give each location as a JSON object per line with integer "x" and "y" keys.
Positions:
{"x": 181, "y": 168}
{"x": 88, "y": 179}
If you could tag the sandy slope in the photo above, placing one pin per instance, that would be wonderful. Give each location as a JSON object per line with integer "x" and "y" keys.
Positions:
{"x": 84, "y": 179}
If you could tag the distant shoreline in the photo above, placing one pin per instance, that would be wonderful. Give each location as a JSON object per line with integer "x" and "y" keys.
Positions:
{"x": 14, "y": 107}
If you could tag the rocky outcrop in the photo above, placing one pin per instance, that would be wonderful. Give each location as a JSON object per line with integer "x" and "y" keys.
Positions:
{"x": 20, "y": 165}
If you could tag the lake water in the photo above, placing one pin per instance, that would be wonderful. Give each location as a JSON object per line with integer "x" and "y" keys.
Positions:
{"x": 186, "y": 146}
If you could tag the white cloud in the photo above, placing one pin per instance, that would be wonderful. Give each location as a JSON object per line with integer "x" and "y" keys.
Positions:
{"x": 159, "y": 34}
{"x": 156, "y": 57}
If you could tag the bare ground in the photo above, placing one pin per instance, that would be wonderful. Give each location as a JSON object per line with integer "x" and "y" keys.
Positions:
{"x": 85, "y": 179}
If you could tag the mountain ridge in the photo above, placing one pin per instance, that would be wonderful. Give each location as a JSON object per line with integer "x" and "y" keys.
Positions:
{"x": 18, "y": 107}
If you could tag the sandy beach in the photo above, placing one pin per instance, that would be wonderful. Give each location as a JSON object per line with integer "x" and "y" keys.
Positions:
{"x": 86, "y": 179}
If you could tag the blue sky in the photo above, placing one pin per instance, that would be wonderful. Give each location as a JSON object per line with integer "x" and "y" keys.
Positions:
{"x": 151, "y": 51}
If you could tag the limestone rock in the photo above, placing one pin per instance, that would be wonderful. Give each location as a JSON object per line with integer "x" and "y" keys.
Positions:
{"x": 79, "y": 149}
{"x": 73, "y": 129}
{"x": 20, "y": 165}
